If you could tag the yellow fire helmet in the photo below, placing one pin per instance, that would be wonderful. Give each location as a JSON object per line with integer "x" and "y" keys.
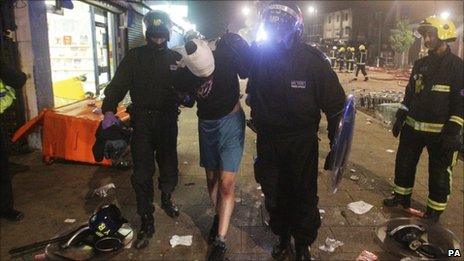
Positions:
{"x": 342, "y": 49}
{"x": 446, "y": 30}
{"x": 351, "y": 49}
{"x": 362, "y": 47}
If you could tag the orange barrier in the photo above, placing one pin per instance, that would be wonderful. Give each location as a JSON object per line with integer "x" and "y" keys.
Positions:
{"x": 69, "y": 131}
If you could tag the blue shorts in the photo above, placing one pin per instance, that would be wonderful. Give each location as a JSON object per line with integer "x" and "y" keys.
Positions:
{"x": 221, "y": 142}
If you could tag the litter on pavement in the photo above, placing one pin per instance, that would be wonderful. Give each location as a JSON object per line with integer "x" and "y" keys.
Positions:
{"x": 366, "y": 256}
{"x": 103, "y": 190}
{"x": 330, "y": 245}
{"x": 390, "y": 151}
{"x": 69, "y": 220}
{"x": 354, "y": 177}
{"x": 359, "y": 207}
{"x": 181, "y": 240}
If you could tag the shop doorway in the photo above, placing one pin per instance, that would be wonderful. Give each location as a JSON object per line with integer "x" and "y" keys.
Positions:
{"x": 81, "y": 51}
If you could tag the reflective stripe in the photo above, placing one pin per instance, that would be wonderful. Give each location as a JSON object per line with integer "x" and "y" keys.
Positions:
{"x": 424, "y": 126}
{"x": 403, "y": 107}
{"x": 441, "y": 88}
{"x": 402, "y": 191}
{"x": 457, "y": 119}
{"x": 435, "y": 205}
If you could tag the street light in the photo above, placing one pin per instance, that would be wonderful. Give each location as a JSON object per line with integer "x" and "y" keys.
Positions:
{"x": 445, "y": 15}
{"x": 312, "y": 10}
{"x": 245, "y": 10}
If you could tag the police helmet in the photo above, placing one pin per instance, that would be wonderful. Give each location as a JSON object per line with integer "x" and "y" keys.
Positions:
{"x": 106, "y": 220}
{"x": 283, "y": 21}
{"x": 157, "y": 24}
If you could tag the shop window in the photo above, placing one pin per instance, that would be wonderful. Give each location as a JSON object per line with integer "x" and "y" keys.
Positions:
{"x": 330, "y": 19}
{"x": 81, "y": 44}
{"x": 346, "y": 16}
{"x": 347, "y": 30}
{"x": 338, "y": 18}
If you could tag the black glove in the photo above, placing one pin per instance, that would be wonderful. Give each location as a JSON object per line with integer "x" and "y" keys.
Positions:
{"x": 399, "y": 122}
{"x": 451, "y": 137}
{"x": 328, "y": 161}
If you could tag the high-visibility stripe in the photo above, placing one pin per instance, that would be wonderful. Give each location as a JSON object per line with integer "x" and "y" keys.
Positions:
{"x": 402, "y": 191}
{"x": 441, "y": 88}
{"x": 424, "y": 126}
{"x": 436, "y": 205}
{"x": 457, "y": 119}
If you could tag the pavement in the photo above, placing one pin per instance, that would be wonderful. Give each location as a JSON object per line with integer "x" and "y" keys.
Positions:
{"x": 49, "y": 194}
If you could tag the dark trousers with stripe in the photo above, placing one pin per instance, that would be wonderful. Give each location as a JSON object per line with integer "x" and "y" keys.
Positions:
{"x": 441, "y": 163}
{"x": 362, "y": 68}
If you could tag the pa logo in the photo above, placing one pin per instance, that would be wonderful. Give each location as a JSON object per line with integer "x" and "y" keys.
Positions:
{"x": 454, "y": 253}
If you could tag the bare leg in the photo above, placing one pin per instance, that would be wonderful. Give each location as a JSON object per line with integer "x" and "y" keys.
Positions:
{"x": 226, "y": 201}
{"x": 212, "y": 179}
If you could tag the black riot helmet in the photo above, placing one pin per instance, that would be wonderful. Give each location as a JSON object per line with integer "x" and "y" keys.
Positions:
{"x": 106, "y": 220}
{"x": 282, "y": 22}
{"x": 157, "y": 24}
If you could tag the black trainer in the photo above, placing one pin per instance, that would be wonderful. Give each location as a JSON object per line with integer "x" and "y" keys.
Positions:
{"x": 146, "y": 232}
{"x": 213, "y": 231}
{"x": 397, "y": 199}
{"x": 167, "y": 205}
{"x": 282, "y": 248}
{"x": 12, "y": 215}
{"x": 432, "y": 215}
{"x": 218, "y": 251}
{"x": 366, "y": 79}
{"x": 302, "y": 253}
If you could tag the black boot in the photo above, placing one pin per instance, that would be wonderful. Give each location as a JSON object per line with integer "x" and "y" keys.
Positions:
{"x": 167, "y": 205}
{"x": 432, "y": 215}
{"x": 213, "y": 231}
{"x": 218, "y": 251}
{"x": 146, "y": 232}
{"x": 366, "y": 79}
{"x": 302, "y": 253}
{"x": 12, "y": 215}
{"x": 397, "y": 199}
{"x": 282, "y": 248}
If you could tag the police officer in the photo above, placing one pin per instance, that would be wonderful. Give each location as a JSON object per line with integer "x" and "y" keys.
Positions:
{"x": 147, "y": 72}
{"x": 289, "y": 83}
{"x": 431, "y": 116}
{"x": 361, "y": 58}
{"x": 9, "y": 80}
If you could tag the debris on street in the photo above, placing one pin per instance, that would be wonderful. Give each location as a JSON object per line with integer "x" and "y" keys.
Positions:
{"x": 366, "y": 256}
{"x": 69, "y": 220}
{"x": 330, "y": 245}
{"x": 354, "y": 177}
{"x": 360, "y": 207}
{"x": 103, "y": 190}
{"x": 390, "y": 151}
{"x": 181, "y": 240}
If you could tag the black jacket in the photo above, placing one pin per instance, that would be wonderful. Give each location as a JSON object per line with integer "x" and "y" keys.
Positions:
{"x": 434, "y": 93}
{"x": 147, "y": 74}
{"x": 289, "y": 89}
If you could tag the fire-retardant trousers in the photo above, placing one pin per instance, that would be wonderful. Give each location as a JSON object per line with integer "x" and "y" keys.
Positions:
{"x": 412, "y": 142}
{"x": 154, "y": 133}
{"x": 286, "y": 168}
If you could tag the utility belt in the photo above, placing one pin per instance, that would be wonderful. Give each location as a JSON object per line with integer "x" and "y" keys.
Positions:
{"x": 147, "y": 111}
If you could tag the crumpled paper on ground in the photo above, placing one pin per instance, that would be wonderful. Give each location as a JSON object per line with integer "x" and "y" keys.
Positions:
{"x": 366, "y": 256}
{"x": 359, "y": 207}
{"x": 103, "y": 190}
{"x": 330, "y": 245}
{"x": 181, "y": 240}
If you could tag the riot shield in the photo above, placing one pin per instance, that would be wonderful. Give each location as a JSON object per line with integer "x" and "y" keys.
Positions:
{"x": 342, "y": 144}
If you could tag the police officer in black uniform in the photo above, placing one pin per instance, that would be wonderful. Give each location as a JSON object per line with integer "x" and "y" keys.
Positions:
{"x": 147, "y": 72}
{"x": 289, "y": 84}
{"x": 431, "y": 116}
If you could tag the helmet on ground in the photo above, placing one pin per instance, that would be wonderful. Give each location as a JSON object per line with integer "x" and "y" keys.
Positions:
{"x": 106, "y": 220}
{"x": 446, "y": 30}
{"x": 283, "y": 22}
{"x": 157, "y": 24}
{"x": 362, "y": 47}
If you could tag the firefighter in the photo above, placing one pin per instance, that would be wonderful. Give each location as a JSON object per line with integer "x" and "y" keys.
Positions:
{"x": 147, "y": 73}
{"x": 341, "y": 58}
{"x": 9, "y": 81}
{"x": 431, "y": 116}
{"x": 361, "y": 58}
{"x": 333, "y": 55}
{"x": 289, "y": 84}
{"x": 350, "y": 60}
